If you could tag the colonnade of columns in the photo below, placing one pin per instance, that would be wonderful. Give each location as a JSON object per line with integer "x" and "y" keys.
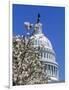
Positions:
{"x": 47, "y": 55}
{"x": 51, "y": 70}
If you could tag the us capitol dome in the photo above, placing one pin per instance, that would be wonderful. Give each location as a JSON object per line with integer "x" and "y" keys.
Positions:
{"x": 47, "y": 53}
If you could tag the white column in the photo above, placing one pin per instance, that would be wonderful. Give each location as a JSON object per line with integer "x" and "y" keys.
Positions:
{"x": 56, "y": 71}
{"x": 52, "y": 70}
{"x": 47, "y": 69}
{"x": 57, "y": 74}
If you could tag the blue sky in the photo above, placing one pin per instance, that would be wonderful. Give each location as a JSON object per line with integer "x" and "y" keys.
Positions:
{"x": 53, "y": 20}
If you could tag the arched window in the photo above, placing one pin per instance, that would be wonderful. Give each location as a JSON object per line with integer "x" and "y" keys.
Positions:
{"x": 50, "y": 56}
{"x": 45, "y": 68}
{"x": 35, "y": 42}
{"x": 49, "y": 69}
{"x": 47, "y": 55}
{"x": 41, "y": 54}
{"x": 44, "y": 54}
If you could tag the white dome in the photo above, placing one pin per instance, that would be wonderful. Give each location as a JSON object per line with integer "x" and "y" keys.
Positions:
{"x": 42, "y": 41}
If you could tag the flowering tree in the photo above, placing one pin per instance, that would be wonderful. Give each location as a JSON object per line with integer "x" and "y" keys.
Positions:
{"x": 26, "y": 66}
